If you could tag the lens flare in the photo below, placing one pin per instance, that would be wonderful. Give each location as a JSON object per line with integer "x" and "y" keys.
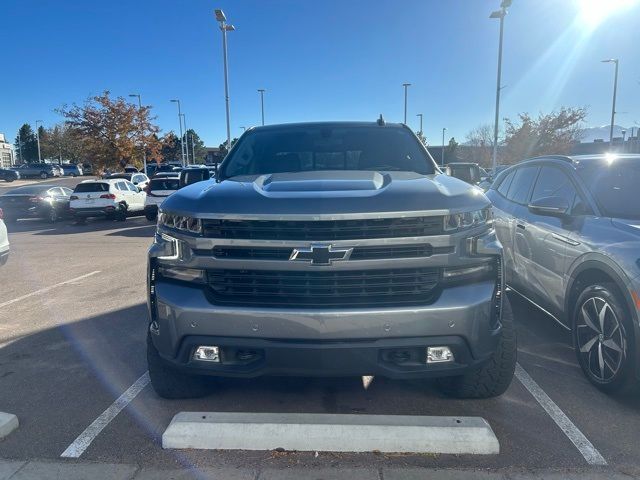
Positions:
{"x": 594, "y": 12}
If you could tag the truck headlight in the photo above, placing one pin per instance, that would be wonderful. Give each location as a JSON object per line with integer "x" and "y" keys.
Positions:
{"x": 461, "y": 221}
{"x": 180, "y": 222}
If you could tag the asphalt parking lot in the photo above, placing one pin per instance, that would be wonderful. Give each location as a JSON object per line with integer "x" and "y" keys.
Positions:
{"x": 72, "y": 340}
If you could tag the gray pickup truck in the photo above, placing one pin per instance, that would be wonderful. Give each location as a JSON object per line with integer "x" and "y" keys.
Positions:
{"x": 328, "y": 249}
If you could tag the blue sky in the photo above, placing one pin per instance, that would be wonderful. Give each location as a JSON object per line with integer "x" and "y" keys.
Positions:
{"x": 318, "y": 60}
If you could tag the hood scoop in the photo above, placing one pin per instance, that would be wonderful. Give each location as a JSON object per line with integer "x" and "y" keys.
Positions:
{"x": 322, "y": 181}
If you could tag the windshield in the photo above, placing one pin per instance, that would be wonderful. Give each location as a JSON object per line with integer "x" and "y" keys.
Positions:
{"x": 327, "y": 147}
{"x": 615, "y": 187}
{"x": 164, "y": 184}
{"x": 91, "y": 187}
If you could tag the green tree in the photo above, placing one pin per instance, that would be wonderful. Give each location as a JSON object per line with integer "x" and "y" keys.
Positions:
{"x": 26, "y": 144}
{"x": 170, "y": 147}
{"x": 553, "y": 133}
{"x": 223, "y": 147}
{"x": 196, "y": 146}
{"x": 63, "y": 143}
{"x": 451, "y": 151}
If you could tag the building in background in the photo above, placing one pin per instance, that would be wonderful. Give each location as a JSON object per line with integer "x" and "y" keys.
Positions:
{"x": 213, "y": 156}
{"x": 7, "y": 158}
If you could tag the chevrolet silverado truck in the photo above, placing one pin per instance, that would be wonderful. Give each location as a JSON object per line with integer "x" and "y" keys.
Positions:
{"x": 328, "y": 249}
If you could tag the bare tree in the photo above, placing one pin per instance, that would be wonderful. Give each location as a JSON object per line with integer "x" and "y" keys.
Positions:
{"x": 480, "y": 145}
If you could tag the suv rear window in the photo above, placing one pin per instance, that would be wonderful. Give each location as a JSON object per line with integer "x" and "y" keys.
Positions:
{"x": 91, "y": 187}
{"x": 327, "y": 147}
{"x": 164, "y": 184}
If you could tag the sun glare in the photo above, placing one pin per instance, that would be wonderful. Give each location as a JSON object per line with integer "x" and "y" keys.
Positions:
{"x": 594, "y": 12}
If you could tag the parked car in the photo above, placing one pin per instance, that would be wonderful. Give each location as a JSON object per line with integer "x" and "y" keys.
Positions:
{"x": 570, "y": 228}
{"x": 140, "y": 180}
{"x": 9, "y": 175}
{"x": 467, "y": 172}
{"x": 111, "y": 198}
{"x": 72, "y": 170}
{"x": 342, "y": 251}
{"x": 50, "y": 202}
{"x": 59, "y": 170}
{"x": 87, "y": 169}
{"x": 158, "y": 189}
{"x": 4, "y": 240}
{"x": 130, "y": 169}
{"x": 35, "y": 170}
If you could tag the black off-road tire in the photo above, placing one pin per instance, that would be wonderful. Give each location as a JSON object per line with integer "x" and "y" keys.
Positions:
{"x": 170, "y": 383}
{"x": 494, "y": 377}
{"x": 121, "y": 214}
{"x": 152, "y": 217}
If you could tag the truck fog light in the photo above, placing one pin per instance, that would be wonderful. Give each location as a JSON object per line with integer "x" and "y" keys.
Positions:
{"x": 207, "y": 353}
{"x": 439, "y": 355}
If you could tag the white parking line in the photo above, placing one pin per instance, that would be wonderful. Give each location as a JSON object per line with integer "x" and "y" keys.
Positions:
{"x": 83, "y": 441}
{"x": 582, "y": 443}
{"x": 46, "y": 289}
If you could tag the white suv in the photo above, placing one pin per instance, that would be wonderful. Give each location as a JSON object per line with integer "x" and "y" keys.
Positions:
{"x": 4, "y": 241}
{"x": 112, "y": 198}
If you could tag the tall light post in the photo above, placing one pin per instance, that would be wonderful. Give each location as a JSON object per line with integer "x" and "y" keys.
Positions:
{"x": 20, "y": 147}
{"x": 420, "y": 115}
{"x": 498, "y": 14}
{"x": 193, "y": 149}
{"x": 144, "y": 147}
{"x": 442, "y": 153}
{"x": 38, "y": 140}
{"x": 406, "y": 87}
{"x": 615, "y": 91}
{"x": 186, "y": 137}
{"x": 222, "y": 19}
{"x": 261, "y": 91}
{"x": 175, "y": 100}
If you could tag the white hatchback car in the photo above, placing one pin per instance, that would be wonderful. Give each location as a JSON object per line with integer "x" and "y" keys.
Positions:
{"x": 113, "y": 199}
{"x": 4, "y": 241}
{"x": 157, "y": 190}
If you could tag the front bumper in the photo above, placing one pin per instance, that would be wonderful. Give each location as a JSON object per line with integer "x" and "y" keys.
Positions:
{"x": 4, "y": 256}
{"x": 324, "y": 342}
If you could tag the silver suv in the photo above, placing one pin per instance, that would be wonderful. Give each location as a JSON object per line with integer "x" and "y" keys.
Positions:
{"x": 570, "y": 228}
{"x": 328, "y": 249}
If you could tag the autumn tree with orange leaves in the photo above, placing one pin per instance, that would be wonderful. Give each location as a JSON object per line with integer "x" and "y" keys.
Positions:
{"x": 114, "y": 131}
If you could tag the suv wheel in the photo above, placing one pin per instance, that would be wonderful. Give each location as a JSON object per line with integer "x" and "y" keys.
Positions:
{"x": 603, "y": 338}
{"x": 121, "y": 214}
{"x": 494, "y": 377}
{"x": 170, "y": 383}
{"x": 53, "y": 215}
{"x": 44, "y": 175}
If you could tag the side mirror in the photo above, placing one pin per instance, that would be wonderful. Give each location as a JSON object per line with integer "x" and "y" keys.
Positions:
{"x": 550, "y": 206}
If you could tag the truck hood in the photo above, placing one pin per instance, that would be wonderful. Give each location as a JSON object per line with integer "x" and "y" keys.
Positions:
{"x": 326, "y": 193}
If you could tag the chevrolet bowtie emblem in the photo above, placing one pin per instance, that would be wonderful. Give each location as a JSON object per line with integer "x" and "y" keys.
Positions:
{"x": 320, "y": 254}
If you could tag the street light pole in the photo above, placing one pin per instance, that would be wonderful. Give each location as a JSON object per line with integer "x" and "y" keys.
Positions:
{"x": 498, "y": 14}
{"x": 220, "y": 17}
{"x": 406, "y": 86}
{"x": 193, "y": 149}
{"x": 442, "y": 153}
{"x": 20, "y": 147}
{"x": 613, "y": 106}
{"x": 38, "y": 140}
{"x": 175, "y": 100}
{"x": 262, "y": 90}
{"x": 144, "y": 147}
{"x": 186, "y": 137}
{"x": 420, "y": 115}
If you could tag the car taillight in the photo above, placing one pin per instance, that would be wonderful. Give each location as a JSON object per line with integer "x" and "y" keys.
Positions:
{"x": 35, "y": 199}
{"x": 73, "y": 197}
{"x": 109, "y": 196}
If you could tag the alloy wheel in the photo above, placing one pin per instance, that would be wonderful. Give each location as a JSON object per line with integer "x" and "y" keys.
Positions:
{"x": 601, "y": 339}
